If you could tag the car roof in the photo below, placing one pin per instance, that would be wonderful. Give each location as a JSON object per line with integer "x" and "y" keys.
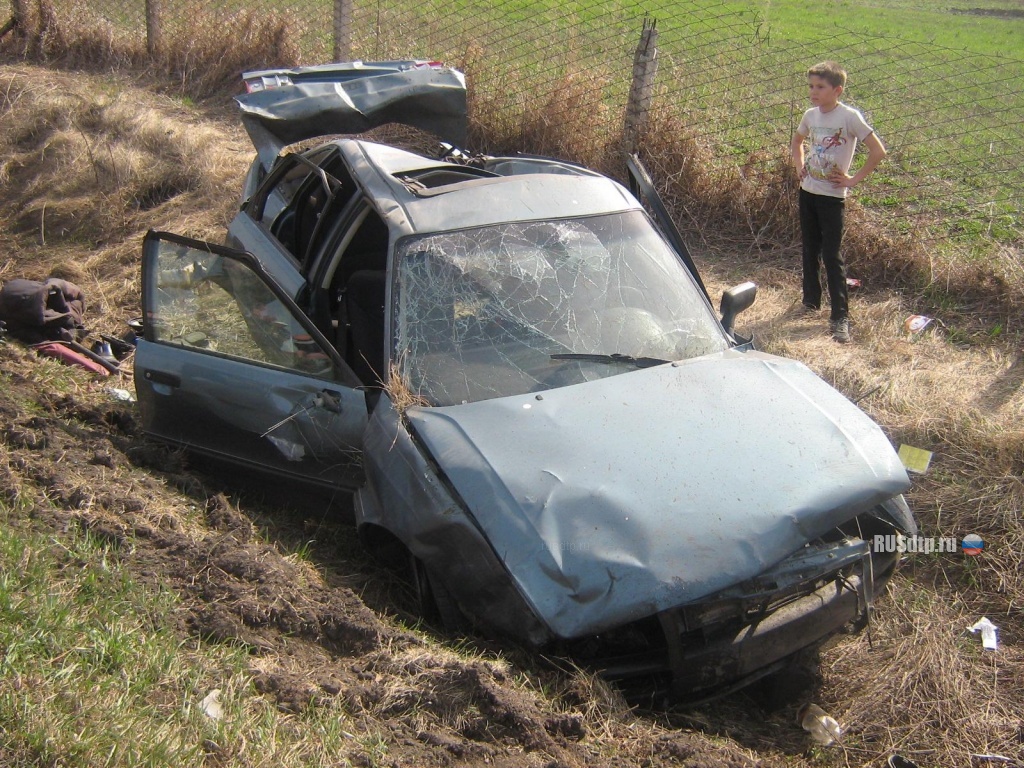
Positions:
{"x": 468, "y": 197}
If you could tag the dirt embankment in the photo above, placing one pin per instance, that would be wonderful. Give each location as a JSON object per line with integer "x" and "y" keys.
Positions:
{"x": 89, "y": 163}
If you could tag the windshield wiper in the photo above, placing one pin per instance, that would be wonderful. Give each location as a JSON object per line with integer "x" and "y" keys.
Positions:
{"x": 615, "y": 357}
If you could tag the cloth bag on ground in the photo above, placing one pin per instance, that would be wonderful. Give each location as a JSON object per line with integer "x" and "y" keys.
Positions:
{"x": 34, "y": 311}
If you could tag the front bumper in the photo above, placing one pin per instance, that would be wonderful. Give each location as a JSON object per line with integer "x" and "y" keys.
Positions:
{"x": 726, "y": 642}
{"x": 742, "y": 656}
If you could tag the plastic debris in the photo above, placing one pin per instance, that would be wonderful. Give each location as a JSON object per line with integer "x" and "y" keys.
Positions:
{"x": 120, "y": 348}
{"x": 915, "y": 459}
{"x": 121, "y": 395}
{"x": 917, "y": 323}
{"x": 104, "y": 350}
{"x": 60, "y": 351}
{"x": 989, "y": 641}
{"x": 211, "y": 705}
{"x": 853, "y": 282}
{"x": 824, "y": 729}
{"x": 992, "y": 758}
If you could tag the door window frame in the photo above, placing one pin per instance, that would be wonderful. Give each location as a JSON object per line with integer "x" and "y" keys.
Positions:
{"x": 343, "y": 374}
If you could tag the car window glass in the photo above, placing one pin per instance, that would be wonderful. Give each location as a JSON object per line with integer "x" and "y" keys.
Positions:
{"x": 509, "y": 309}
{"x": 219, "y": 305}
{"x": 288, "y": 177}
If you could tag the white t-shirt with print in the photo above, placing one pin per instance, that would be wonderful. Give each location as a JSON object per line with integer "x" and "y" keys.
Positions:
{"x": 832, "y": 136}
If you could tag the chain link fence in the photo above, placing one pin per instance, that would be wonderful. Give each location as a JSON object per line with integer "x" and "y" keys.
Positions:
{"x": 952, "y": 120}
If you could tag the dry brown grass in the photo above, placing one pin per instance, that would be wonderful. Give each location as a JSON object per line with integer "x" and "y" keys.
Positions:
{"x": 73, "y": 33}
{"x": 926, "y": 689}
{"x": 203, "y": 59}
{"x": 922, "y": 686}
{"x": 211, "y": 60}
{"x": 398, "y": 389}
{"x": 89, "y": 163}
{"x": 571, "y": 122}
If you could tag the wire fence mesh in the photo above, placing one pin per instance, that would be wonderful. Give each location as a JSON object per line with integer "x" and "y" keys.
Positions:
{"x": 953, "y": 120}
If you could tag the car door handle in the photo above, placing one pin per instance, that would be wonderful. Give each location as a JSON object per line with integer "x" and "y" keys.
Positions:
{"x": 161, "y": 377}
{"x": 328, "y": 400}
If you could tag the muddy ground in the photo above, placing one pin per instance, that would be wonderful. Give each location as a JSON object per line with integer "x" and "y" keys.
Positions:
{"x": 286, "y": 579}
{"x": 282, "y": 577}
{"x": 331, "y": 624}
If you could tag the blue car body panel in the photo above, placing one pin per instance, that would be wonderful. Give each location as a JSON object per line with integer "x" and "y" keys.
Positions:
{"x": 613, "y": 499}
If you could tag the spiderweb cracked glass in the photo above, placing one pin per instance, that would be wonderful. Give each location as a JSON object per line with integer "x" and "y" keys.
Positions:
{"x": 481, "y": 312}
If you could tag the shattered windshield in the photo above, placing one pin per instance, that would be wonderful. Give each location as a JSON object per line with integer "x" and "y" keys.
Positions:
{"x": 529, "y": 306}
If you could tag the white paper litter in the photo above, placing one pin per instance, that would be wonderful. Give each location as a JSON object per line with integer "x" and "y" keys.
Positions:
{"x": 988, "y": 633}
{"x": 916, "y": 323}
{"x": 211, "y": 705}
{"x": 123, "y": 395}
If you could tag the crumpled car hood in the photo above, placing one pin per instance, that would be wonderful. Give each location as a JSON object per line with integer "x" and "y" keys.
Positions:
{"x": 616, "y": 498}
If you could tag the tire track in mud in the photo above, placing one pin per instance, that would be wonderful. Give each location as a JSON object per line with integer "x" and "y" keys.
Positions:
{"x": 75, "y": 463}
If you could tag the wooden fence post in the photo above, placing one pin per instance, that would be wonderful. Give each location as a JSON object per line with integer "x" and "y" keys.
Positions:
{"x": 342, "y": 30}
{"x": 28, "y": 24}
{"x": 641, "y": 90}
{"x": 154, "y": 32}
{"x": 20, "y": 15}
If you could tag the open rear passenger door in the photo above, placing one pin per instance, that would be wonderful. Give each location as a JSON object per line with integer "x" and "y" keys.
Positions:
{"x": 229, "y": 366}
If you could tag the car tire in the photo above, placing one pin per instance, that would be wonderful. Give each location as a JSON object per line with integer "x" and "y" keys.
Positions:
{"x": 436, "y": 604}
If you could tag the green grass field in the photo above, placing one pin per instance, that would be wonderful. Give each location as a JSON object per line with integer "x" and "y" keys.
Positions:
{"x": 940, "y": 85}
{"x": 989, "y": 28}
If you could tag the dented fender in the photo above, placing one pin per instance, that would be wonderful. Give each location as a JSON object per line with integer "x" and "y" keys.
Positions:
{"x": 406, "y": 496}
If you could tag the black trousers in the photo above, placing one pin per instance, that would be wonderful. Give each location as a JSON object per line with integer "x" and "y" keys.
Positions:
{"x": 821, "y": 225}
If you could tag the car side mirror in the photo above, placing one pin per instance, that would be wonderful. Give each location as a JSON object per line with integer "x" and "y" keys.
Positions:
{"x": 735, "y": 300}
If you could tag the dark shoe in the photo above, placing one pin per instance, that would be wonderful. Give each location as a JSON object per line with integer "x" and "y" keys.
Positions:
{"x": 809, "y": 309}
{"x": 841, "y": 330}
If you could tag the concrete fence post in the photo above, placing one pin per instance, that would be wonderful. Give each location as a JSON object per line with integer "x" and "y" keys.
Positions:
{"x": 154, "y": 31}
{"x": 641, "y": 90}
{"x": 342, "y": 30}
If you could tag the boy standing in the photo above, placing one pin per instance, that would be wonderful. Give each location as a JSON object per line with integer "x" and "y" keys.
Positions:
{"x": 833, "y": 129}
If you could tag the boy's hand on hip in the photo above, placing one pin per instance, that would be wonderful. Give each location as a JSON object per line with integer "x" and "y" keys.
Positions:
{"x": 841, "y": 179}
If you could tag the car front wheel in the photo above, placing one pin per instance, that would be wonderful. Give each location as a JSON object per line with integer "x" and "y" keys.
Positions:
{"x": 436, "y": 604}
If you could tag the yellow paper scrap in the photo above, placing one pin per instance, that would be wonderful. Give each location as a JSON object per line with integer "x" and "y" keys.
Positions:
{"x": 915, "y": 459}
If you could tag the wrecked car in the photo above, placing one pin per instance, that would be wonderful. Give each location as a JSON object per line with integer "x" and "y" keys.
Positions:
{"x": 518, "y": 373}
